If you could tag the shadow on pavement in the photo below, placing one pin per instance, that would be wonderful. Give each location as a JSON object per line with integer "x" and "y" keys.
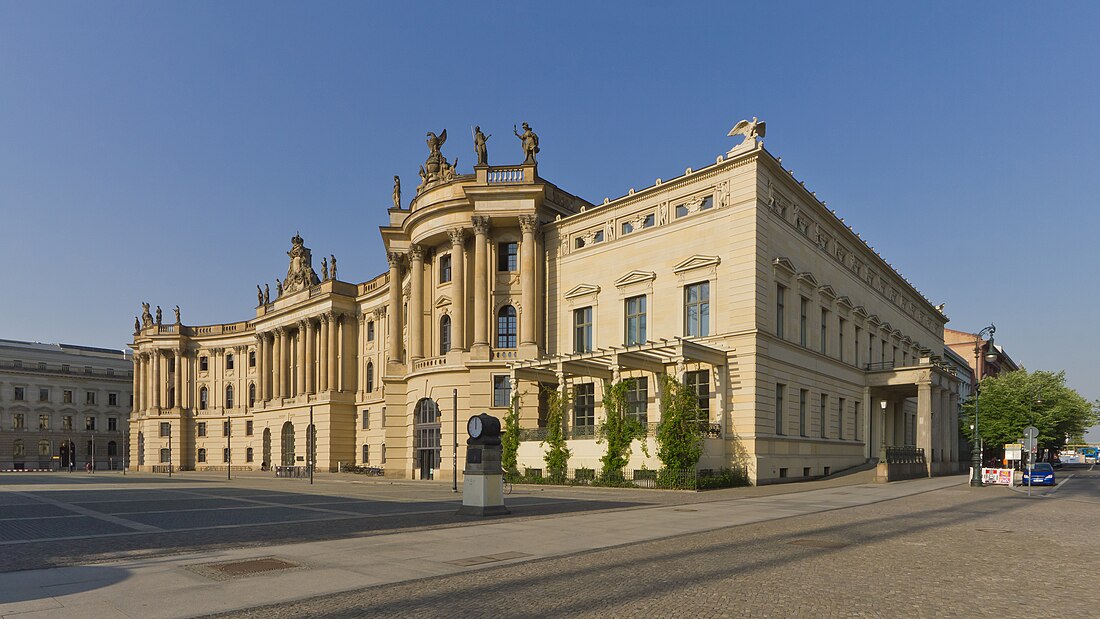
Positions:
{"x": 34, "y": 585}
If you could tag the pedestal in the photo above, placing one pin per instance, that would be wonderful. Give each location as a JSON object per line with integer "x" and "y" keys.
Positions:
{"x": 483, "y": 486}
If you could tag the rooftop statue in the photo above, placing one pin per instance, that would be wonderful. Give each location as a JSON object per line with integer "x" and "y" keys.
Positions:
{"x": 278, "y": 288}
{"x": 299, "y": 275}
{"x": 750, "y": 129}
{"x": 324, "y": 269}
{"x": 396, "y": 191}
{"x": 259, "y": 295}
{"x": 158, "y": 316}
{"x": 435, "y": 169}
{"x": 177, "y": 314}
{"x": 479, "y": 146}
{"x": 332, "y": 273}
{"x": 267, "y": 294}
{"x": 530, "y": 142}
{"x": 137, "y": 325}
{"x": 146, "y": 317}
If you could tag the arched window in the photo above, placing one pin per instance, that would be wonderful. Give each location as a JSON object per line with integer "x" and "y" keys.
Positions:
{"x": 229, "y": 396}
{"x": 202, "y": 455}
{"x": 252, "y": 394}
{"x": 444, "y": 335}
{"x": 370, "y": 376}
{"x": 287, "y": 444}
{"x": 506, "y": 327}
{"x": 43, "y": 448}
{"x": 204, "y": 397}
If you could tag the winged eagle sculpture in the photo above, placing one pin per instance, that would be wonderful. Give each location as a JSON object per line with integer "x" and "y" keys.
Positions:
{"x": 751, "y": 129}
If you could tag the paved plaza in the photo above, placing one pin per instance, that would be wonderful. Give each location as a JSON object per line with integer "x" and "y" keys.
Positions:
{"x": 357, "y": 548}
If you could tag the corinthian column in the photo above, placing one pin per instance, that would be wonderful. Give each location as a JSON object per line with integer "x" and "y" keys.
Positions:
{"x": 529, "y": 225}
{"x": 416, "y": 302}
{"x": 394, "y": 258}
{"x": 157, "y": 386}
{"x": 333, "y": 327}
{"x": 260, "y": 365}
{"x": 458, "y": 289}
{"x": 138, "y": 390}
{"x": 178, "y": 388}
{"x": 311, "y": 374}
{"x": 278, "y": 378}
{"x": 302, "y": 346}
{"x": 322, "y": 353}
{"x": 481, "y": 282}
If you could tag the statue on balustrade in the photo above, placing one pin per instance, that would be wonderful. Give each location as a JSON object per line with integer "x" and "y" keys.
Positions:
{"x": 332, "y": 273}
{"x": 177, "y": 314}
{"x": 137, "y": 325}
{"x": 480, "y": 147}
{"x": 529, "y": 141}
{"x": 146, "y": 317}
{"x": 324, "y": 269}
{"x": 435, "y": 169}
{"x": 396, "y": 191}
{"x": 278, "y": 288}
{"x": 267, "y": 294}
{"x": 299, "y": 275}
{"x": 158, "y": 316}
{"x": 259, "y": 295}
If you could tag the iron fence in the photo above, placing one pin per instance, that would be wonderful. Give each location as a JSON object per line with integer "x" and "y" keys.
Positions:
{"x": 905, "y": 455}
{"x": 668, "y": 479}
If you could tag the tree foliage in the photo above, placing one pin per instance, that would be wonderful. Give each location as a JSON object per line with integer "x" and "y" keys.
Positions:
{"x": 618, "y": 430}
{"x": 1010, "y": 402}
{"x": 509, "y": 455}
{"x": 557, "y": 454}
{"x": 679, "y": 436}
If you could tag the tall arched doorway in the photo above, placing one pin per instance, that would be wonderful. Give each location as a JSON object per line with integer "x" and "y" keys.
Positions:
{"x": 141, "y": 449}
{"x": 426, "y": 437}
{"x": 288, "y": 444}
{"x": 266, "y": 464}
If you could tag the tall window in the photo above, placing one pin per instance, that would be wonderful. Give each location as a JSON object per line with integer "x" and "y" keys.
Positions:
{"x": 43, "y": 395}
{"x": 637, "y": 399}
{"x": 856, "y": 347}
{"x": 248, "y": 427}
{"x": 251, "y": 358}
{"x": 19, "y": 394}
{"x": 165, "y": 429}
{"x": 699, "y": 383}
{"x": 202, "y": 428}
{"x": 840, "y": 339}
{"x": 229, "y": 362}
{"x": 248, "y": 455}
{"x": 166, "y": 456}
{"x": 803, "y": 332}
{"x": 225, "y": 428}
{"x": 204, "y": 397}
{"x": 780, "y": 316}
{"x": 112, "y": 399}
{"x": 112, "y": 424}
{"x": 366, "y": 455}
{"x": 802, "y": 395}
{"x": 89, "y": 423}
{"x": 203, "y": 364}
{"x": 370, "y": 330}
{"x": 697, "y": 309}
{"x": 823, "y": 415}
{"x": 502, "y": 390}
{"x": 202, "y": 455}
{"x": 584, "y": 405}
{"x": 840, "y": 418}
{"x": 67, "y": 423}
{"x": 857, "y": 433}
{"x": 229, "y": 396}
{"x": 870, "y": 349}
{"x": 508, "y": 256}
{"x": 779, "y": 421}
{"x": 370, "y": 376}
{"x": 366, "y": 419}
{"x": 635, "y": 320}
{"x": 582, "y": 329}
{"x": 67, "y": 396}
{"x": 506, "y": 327}
{"x": 225, "y": 454}
{"x": 43, "y": 422}
{"x": 18, "y": 448}
{"x": 882, "y": 351}
{"x": 444, "y": 334}
{"x": 252, "y": 394}
{"x": 824, "y": 331}
{"x": 445, "y": 268}
{"x": 89, "y": 397}
{"x": 18, "y": 421}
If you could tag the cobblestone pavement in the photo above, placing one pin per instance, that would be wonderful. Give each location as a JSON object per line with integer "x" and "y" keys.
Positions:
{"x": 957, "y": 552}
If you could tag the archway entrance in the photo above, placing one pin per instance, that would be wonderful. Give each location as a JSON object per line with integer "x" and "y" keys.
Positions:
{"x": 426, "y": 437}
{"x": 288, "y": 444}
{"x": 266, "y": 464}
{"x": 67, "y": 454}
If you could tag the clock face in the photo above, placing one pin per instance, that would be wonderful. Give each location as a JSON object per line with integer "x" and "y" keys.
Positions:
{"x": 473, "y": 426}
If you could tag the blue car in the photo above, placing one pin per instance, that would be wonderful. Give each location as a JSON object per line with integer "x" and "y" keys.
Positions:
{"x": 1042, "y": 474}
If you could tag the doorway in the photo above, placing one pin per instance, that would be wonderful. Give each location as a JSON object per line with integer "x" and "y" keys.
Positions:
{"x": 288, "y": 444}
{"x": 426, "y": 437}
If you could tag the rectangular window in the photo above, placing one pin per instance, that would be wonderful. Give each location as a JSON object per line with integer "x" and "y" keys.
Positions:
{"x": 697, "y": 309}
{"x": 225, "y": 428}
{"x": 823, "y": 416}
{"x": 89, "y": 397}
{"x": 780, "y": 427}
{"x": 20, "y": 394}
{"x": 18, "y": 421}
{"x": 203, "y": 364}
{"x": 112, "y": 424}
{"x": 840, "y": 418}
{"x": 67, "y": 423}
{"x": 582, "y": 329}
{"x": 166, "y": 455}
{"x": 370, "y": 331}
{"x": 43, "y": 395}
{"x": 87, "y": 369}
{"x": 65, "y": 368}
{"x": 859, "y": 332}
{"x": 67, "y": 396}
{"x": 637, "y": 399}
{"x": 802, "y": 396}
{"x": 780, "y": 317}
{"x": 251, "y": 358}
{"x": 824, "y": 331}
{"x": 165, "y": 428}
{"x": 502, "y": 390}
{"x": 366, "y": 419}
{"x": 229, "y": 362}
{"x": 882, "y": 351}
{"x": 584, "y": 405}
{"x": 89, "y": 423}
{"x": 508, "y": 256}
{"x": 445, "y": 269}
{"x": 383, "y": 453}
{"x": 635, "y": 320}
{"x": 43, "y": 422}
{"x": 803, "y": 329}
{"x": 225, "y": 454}
{"x": 840, "y": 339}
{"x": 248, "y": 428}
{"x": 858, "y": 415}
{"x": 202, "y": 428}
{"x": 112, "y": 399}
{"x": 870, "y": 349}
{"x": 248, "y": 455}
{"x": 699, "y": 382}
{"x": 366, "y": 455}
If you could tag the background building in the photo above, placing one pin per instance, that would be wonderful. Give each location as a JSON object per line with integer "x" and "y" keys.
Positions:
{"x": 62, "y": 403}
{"x": 808, "y": 352}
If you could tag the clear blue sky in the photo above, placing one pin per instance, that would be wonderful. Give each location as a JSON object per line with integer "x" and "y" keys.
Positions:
{"x": 168, "y": 151}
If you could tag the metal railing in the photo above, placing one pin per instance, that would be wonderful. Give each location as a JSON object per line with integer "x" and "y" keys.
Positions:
{"x": 291, "y": 471}
{"x": 905, "y": 455}
{"x": 689, "y": 479}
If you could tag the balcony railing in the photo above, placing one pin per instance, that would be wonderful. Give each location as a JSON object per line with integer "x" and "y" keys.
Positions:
{"x": 505, "y": 175}
{"x": 430, "y": 362}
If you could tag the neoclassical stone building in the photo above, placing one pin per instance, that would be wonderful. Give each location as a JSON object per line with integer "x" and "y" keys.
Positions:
{"x": 808, "y": 352}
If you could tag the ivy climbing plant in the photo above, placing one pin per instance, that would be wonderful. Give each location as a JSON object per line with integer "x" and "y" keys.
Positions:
{"x": 679, "y": 440}
{"x": 618, "y": 431}
{"x": 509, "y": 455}
{"x": 557, "y": 454}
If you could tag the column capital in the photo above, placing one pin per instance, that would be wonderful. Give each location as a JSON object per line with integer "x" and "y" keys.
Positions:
{"x": 529, "y": 223}
{"x": 302, "y": 324}
{"x": 481, "y": 224}
{"x": 394, "y": 258}
{"x": 458, "y": 236}
{"x": 416, "y": 253}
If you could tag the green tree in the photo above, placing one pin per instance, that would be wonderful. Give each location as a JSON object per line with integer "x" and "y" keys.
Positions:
{"x": 509, "y": 454}
{"x": 557, "y": 454}
{"x": 679, "y": 439}
{"x": 1010, "y": 402}
{"x": 618, "y": 431}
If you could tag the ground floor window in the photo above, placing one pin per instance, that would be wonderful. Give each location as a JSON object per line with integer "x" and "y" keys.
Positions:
{"x": 637, "y": 399}
{"x": 584, "y": 405}
{"x": 202, "y": 455}
{"x": 165, "y": 455}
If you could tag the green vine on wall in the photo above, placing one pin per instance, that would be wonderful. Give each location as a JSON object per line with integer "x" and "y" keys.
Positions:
{"x": 679, "y": 437}
{"x": 557, "y": 454}
{"x": 618, "y": 431}
{"x": 509, "y": 455}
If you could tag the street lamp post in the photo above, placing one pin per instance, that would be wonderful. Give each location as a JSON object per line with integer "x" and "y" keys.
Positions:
{"x": 975, "y": 450}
